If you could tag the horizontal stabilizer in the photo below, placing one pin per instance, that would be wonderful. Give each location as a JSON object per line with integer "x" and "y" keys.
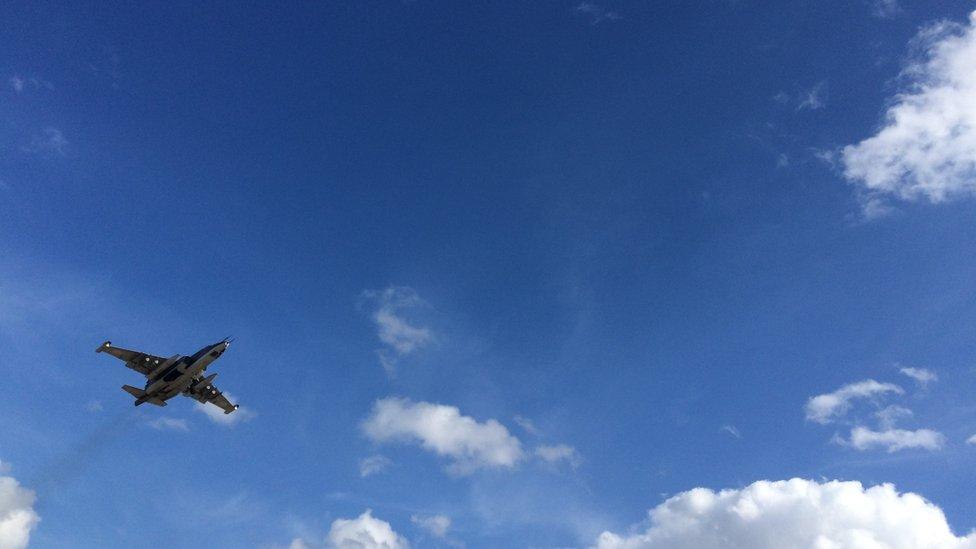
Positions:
{"x": 134, "y": 391}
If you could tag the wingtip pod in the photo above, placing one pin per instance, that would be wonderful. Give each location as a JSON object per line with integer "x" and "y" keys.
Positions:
{"x": 103, "y": 346}
{"x": 236, "y": 406}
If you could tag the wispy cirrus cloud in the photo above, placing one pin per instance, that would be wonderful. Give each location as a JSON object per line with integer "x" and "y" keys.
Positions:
{"x": 890, "y": 415}
{"x": 926, "y": 147}
{"x": 921, "y": 376}
{"x": 596, "y": 13}
{"x": 813, "y": 98}
{"x": 827, "y": 407}
{"x": 886, "y": 9}
{"x": 399, "y": 336}
{"x": 893, "y": 440}
{"x": 169, "y": 424}
{"x": 373, "y": 465}
{"x": 731, "y": 430}
{"x": 50, "y": 141}
{"x": 559, "y": 453}
{"x": 20, "y": 84}
{"x": 527, "y": 425}
{"x": 435, "y": 525}
{"x": 809, "y": 99}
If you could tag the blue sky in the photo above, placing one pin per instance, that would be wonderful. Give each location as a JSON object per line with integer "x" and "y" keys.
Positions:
{"x": 504, "y": 274}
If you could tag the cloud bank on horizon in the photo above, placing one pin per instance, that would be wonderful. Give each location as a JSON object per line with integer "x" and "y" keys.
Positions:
{"x": 794, "y": 513}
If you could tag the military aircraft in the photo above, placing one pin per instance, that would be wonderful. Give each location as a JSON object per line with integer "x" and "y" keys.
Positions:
{"x": 168, "y": 377}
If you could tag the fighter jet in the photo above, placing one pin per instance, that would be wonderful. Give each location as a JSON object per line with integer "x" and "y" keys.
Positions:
{"x": 168, "y": 377}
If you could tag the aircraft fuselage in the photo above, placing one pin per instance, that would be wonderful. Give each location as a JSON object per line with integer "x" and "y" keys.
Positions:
{"x": 175, "y": 375}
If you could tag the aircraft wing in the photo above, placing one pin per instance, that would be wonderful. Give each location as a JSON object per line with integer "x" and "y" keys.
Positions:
{"x": 140, "y": 362}
{"x": 205, "y": 391}
{"x": 221, "y": 402}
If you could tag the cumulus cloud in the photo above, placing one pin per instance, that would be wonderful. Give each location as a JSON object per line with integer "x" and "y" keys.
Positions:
{"x": 373, "y": 465}
{"x": 971, "y": 440}
{"x": 441, "y": 429}
{"x": 827, "y": 407}
{"x": 364, "y": 532}
{"x": 926, "y": 148}
{"x": 436, "y": 525}
{"x": 559, "y": 453}
{"x": 169, "y": 424}
{"x": 920, "y": 375}
{"x": 218, "y": 416}
{"x": 893, "y": 440}
{"x": 794, "y": 513}
{"x": 399, "y": 336}
{"x": 17, "y": 515}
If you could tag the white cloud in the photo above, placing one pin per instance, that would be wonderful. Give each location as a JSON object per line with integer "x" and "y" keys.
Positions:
{"x": 794, "y": 513}
{"x": 443, "y": 430}
{"x": 810, "y": 99}
{"x": 373, "y": 465}
{"x": 49, "y": 141}
{"x": 971, "y": 440}
{"x": 827, "y": 407}
{"x": 814, "y": 98}
{"x": 399, "y": 335}
{"x": 890, "y": 415}
{"x": 436, "y": 525}
{"x": 886, "y": 8}
{"x": 364, "y": 532}
{"x": 597, "y": 14}
{"x": 20, "y": 84}
{"x": 17, "y": 515}
{"x": 170, "y": 424}
{"x": 558, "y": 453}
{"x": 926, "y": 148}
{"x": 921, "y": 375}
{"x": 94, "y": 406}
{"x": 894, "y": 440}
{"x": 731, "y": 430}
{"x": 527, "y": 425}
{"x": 218, "y": 416}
